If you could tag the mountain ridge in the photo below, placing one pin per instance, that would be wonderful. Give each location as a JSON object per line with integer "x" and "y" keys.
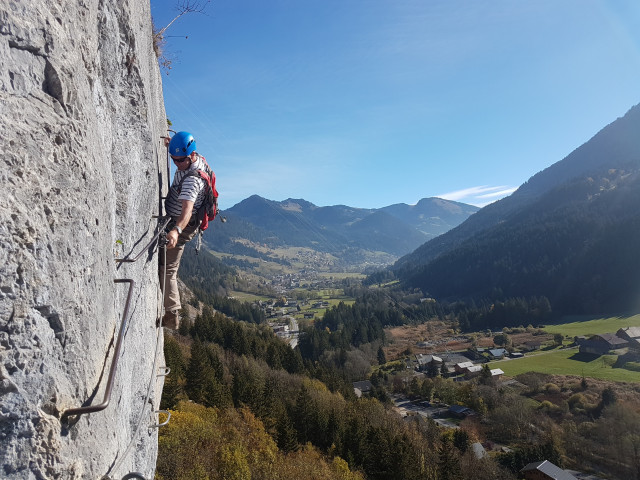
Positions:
{"x": 339, "y": 230}
{"x": 554, "y": 236}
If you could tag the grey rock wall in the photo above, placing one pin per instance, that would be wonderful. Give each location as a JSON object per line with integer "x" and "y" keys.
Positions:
{"x": 81, "y": 115}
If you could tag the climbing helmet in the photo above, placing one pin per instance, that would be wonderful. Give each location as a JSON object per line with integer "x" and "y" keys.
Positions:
{"x": 182, "y": 144}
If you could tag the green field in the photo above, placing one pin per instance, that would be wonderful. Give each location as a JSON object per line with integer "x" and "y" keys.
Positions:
{"x": 247, "y": 297}
{"x": 341, "y": 275}
{"x": 594, "y": 326}
{"x": 568, "y": 361}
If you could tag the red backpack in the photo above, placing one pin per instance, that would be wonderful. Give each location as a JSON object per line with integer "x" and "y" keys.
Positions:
{"x": 209, "y": 208}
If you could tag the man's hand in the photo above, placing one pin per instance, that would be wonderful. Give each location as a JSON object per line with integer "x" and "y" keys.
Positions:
{"x": 172, "y": 238}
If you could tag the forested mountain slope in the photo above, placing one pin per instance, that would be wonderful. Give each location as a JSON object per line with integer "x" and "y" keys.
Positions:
{"x": 569, "y": 233}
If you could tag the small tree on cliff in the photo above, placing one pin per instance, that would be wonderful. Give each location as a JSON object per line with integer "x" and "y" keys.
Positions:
{"x": 159, "y": 37}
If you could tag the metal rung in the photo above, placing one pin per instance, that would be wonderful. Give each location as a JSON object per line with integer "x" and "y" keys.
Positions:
{"x": 167, "y": 371}
{"x": 158, "y": 425}
{"x": 114, "y": 362}
{"x": 134, "y": 475}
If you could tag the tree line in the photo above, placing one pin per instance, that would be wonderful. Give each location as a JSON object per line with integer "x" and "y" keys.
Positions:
{"x": 231, "y": 366}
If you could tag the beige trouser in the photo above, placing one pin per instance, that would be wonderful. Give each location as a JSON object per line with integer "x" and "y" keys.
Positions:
{"x": 172, "y": 304}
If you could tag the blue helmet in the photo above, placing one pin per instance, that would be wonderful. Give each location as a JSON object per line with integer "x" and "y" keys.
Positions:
{"x": 182, "y": 144}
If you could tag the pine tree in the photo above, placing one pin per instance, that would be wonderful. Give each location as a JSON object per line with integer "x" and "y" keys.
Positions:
{"x": 199, "y": 372}
{"x": 382, "y": 358}
{"x": 302, "y": 415}
{"x": 485, "y": 375}
{"x": 461, "y": 440}
{"x": 173, "y": 390}
{"x": 286, "y": 433}
{"x": 448, "y": 462}
{"x": 273, "y": 357}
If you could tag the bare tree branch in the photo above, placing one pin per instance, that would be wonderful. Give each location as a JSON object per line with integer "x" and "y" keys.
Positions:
{"x": 184, "y": 7}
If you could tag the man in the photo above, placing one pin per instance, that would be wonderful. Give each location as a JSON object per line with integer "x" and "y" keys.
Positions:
{"x": 186, "y": 195}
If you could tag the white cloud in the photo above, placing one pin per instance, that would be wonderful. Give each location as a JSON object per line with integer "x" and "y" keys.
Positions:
{"x": 478, "y": 195}
{"x": 468, "y": 192}
{"x": 500, "y": 193}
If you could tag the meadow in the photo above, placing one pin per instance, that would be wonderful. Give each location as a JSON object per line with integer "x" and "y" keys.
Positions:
{"x": 569, "y": 361}
{"x": 580, "y": 326}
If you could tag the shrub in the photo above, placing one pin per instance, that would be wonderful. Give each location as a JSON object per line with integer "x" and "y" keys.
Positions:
{"x": 533, "y": 380}
{"x": 552, "y": 388}
{"x": 574, "y": 386}
{"x": 577, "y": 400}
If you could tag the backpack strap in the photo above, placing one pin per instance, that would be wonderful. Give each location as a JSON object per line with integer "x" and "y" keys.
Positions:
{"x": 192, "y": 173}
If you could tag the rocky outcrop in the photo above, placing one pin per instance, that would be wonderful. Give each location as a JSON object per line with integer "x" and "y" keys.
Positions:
{"x": 81, "y": 115}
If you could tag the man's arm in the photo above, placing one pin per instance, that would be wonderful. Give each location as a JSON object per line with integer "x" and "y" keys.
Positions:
{"x": 182, "y": 222}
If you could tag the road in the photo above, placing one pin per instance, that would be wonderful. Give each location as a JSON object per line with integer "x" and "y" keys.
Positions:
{"x": 293, "y": 327}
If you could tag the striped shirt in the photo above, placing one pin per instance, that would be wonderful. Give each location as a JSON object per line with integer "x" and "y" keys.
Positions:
{"x": 193, "y": 188}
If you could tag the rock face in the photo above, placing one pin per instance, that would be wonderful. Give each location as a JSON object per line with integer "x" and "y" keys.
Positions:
{"x": 81, "y": 116}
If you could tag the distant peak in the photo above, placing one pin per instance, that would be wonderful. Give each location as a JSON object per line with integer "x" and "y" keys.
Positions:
{"x": 296, "y": 204}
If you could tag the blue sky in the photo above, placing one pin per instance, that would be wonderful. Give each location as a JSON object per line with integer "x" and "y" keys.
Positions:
{"x": 368, "y": 103}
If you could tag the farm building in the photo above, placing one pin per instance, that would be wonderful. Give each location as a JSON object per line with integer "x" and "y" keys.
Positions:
{"x": 600, "y": 344}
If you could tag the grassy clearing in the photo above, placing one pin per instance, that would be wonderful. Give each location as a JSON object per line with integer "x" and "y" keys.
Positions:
{"x": 568, "y": 361}
{"x": 319, "y": 311}
{"x": 594, "y": 326}
{"x": 247, "y": 297}
{"x": 341, "y": 275}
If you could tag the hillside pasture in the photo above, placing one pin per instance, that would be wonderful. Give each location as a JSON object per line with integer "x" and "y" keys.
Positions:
{"x": 578, "y": 326}
{"x": 568, "y": 361}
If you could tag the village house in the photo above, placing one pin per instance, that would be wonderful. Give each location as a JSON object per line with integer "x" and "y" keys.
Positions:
{"x": 362, "y": 388}
{"x": 460, "y": 411}
{"x": 545, "y": 470}
{"x": 452, "y": 358}
{"x": 497, "y": 353}
{"x": 631, "y": 335}
{"x": 425, "y": 360}
{"x": 473, "y": 371}
{"x": 475, "y": 353}
{"x": 532, "y": 345}
{"x": 496, "y": 373}
{"x": 463, "y": 367}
